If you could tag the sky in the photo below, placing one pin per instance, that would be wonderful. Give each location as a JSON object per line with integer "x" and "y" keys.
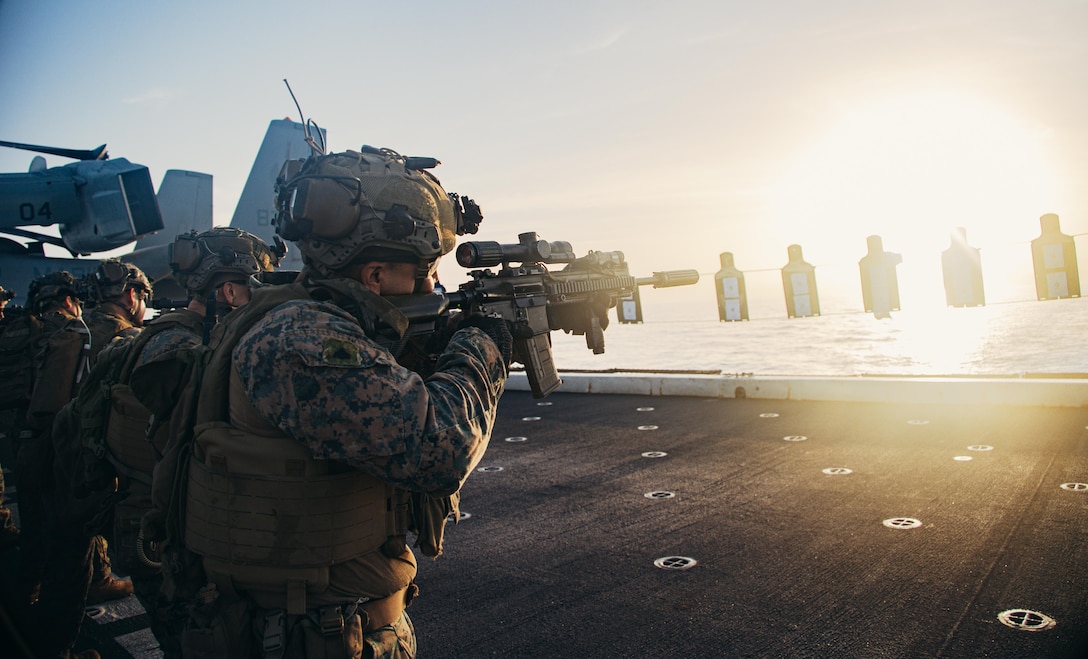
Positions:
{"x": 671, "y": 131}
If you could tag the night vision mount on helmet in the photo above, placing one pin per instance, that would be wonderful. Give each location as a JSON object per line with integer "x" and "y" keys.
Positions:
{"x": 369, "y": 205}
{"x": 202, "y": 261}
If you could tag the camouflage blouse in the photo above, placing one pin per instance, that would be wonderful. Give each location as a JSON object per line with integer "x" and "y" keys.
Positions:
{"x": 309, "y": 369}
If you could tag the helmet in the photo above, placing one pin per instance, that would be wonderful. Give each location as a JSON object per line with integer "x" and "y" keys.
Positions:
{"x": 113, "y": 278}
{"x": 6, "y": 295}
{"x": 202, "y": 261}
{"x": 373, "y": 205}
{"x": 53, "y": 286}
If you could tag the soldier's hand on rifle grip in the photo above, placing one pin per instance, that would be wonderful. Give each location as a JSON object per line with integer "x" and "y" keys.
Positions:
{"x": 497, "y": 329}
{"x": 600, "y": 306}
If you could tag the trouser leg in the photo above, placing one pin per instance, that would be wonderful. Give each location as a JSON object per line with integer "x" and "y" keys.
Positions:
{"x": 100, "y": 560}
{"x": 395, "y": 641}
{"x": 57, "y": 616}
{"x": 9, "y": 535}
{"x": 166, "y": 619}
{"x": 35, "y": 468}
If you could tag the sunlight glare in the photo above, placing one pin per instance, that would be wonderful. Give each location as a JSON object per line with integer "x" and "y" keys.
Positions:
{"x": 911, "y": 169}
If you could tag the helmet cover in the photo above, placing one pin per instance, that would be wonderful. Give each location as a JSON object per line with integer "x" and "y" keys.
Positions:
{"x": 51, "y": 287}
{"x": 346, "y": 208}
{"x": 113, "y": 278}
{"x": 202, "y": 261}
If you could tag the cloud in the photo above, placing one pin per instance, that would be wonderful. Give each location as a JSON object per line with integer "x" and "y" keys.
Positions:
{"x": 603, "y": 43}
{"x": 155, "y": 95}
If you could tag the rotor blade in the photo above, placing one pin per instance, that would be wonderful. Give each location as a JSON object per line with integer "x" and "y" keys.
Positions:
{"x": 75, "y": 154}
{"x": 39, "y": 237}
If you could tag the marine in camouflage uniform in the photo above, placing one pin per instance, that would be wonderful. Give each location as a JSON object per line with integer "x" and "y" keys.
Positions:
{"x": 78, "y": 568}
{"x": 120, "y": 293}
{"x": 217, "y": 268}
{"x": 311, "y": 426}
{"x": 59, "y": 365}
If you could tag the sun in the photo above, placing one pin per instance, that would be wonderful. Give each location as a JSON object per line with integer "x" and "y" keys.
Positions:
{"x": 911, "y": 168}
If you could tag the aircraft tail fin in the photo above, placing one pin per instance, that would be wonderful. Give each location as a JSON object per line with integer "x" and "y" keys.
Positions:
{"x": 284, "y": 140}
{"x": 185, "y": 200}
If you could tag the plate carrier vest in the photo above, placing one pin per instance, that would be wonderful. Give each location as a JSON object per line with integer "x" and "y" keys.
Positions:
{"x": 266, "y": 516}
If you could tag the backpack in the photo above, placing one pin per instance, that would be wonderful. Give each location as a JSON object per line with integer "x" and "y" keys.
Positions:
{"x": 19, "y": 337}
{"x": 163, "y": 523}
{"x": 92, "y": 411}
{"x": 105, "y": 398}
{"x": 104, "y": 433}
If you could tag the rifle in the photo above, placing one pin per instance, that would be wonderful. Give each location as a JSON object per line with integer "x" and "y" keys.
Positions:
{"x": 534, "y": 300}
{"x": 168, "y": 304}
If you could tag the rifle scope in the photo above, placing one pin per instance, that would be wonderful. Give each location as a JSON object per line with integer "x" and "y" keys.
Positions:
{"x": 529, "y": 249}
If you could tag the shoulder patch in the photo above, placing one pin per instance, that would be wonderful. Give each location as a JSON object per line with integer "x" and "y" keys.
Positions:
{"x": 338, "y": 352}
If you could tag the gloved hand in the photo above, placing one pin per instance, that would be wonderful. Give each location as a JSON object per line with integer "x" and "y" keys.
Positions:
{"x": 428, "y": 520}
{"x": 497, "y": 329}
{"x": 578, "y": 318}
{"x": 600, "y": 305}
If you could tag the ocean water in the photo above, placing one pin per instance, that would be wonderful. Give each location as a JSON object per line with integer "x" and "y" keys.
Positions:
{"x": 683, "y": 333}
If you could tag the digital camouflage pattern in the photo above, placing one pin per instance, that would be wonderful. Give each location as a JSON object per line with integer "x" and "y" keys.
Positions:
{"x": 187, "y": 333}
{"x": 396, "y": 641}
{"x": 309, "y": 368}
{"x": 159, "y": 380}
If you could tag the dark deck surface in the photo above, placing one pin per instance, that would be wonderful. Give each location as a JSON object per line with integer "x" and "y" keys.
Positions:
{"x": 555, "y": 555}
{"x": 558, "y": 556}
